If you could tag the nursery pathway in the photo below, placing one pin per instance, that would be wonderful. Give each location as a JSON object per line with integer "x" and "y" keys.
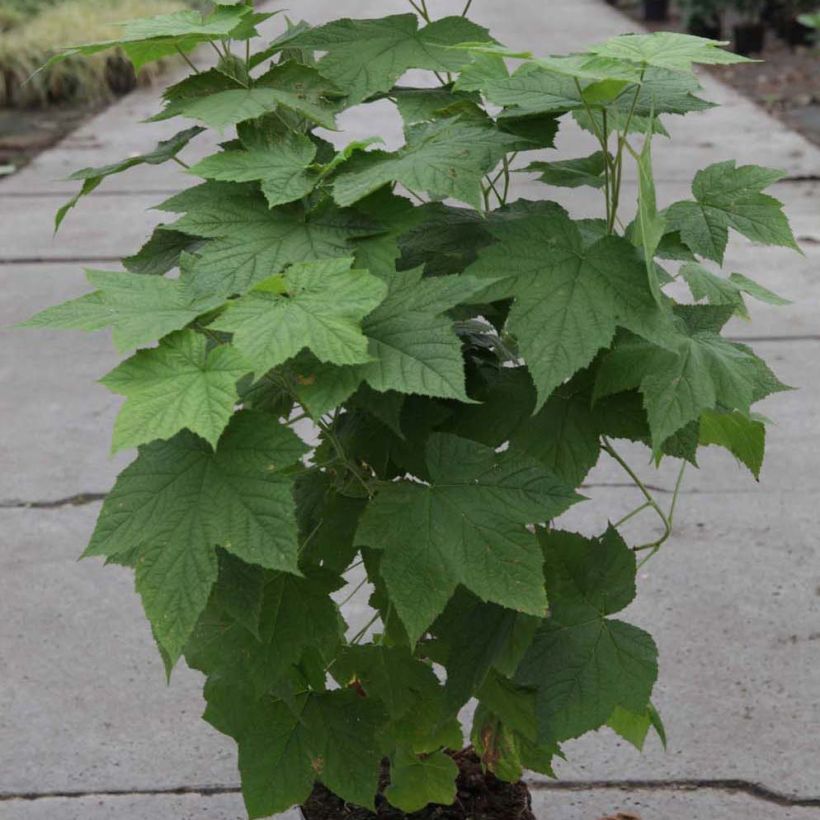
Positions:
{"x": 88, "y": 729}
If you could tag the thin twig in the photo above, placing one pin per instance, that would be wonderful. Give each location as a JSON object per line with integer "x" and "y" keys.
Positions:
{"x": 185, "y": 57}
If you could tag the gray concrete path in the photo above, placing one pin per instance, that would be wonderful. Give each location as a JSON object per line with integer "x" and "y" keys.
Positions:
{"x": 88, "y": 729}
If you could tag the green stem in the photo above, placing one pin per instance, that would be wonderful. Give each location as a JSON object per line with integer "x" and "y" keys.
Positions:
{"x": 352, "y": 594}
{"x": 361, "y": 633}
{"x": 634, "y": 512}
{"x": 650, "y": 499}
{"x": 178, "y": 161}
{"x": 185, "y": 57}
{"x": 467, "y": 8}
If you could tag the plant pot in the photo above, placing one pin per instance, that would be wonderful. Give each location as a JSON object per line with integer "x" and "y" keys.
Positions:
{"x": 749, "y": 38}
{"x": 795, "y": 33}
{"x": 655, "y": 11}
{"x": 712, "y": 28}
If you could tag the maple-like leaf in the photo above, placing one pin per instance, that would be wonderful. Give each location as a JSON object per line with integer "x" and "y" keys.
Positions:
{"x": 138, "y": 309}
{"x": 569, "y": 296}
{"x": 368, "y": 56}
{"x": 582, "y": 663}
{"x": 467, "y": 526}
{"x": 179, "y": 500}
{"x": 314, "y": 305}
{"x": 446, "y": 158}
{"x": 730, "y": 196}
{"x": 178, "y": 385}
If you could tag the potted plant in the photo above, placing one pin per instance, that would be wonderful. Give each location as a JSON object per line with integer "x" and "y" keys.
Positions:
{"x": 750, "y": 31}
{"x": 656, "y": 11}
{"x": 354, "y": 369}
{"x": 704, "y": 18}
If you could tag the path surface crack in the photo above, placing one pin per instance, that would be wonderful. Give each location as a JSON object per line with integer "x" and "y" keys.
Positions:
{"x": 729, "y": 786}
{"x": 687, "y": 784}
{"x": 78, "y": 500}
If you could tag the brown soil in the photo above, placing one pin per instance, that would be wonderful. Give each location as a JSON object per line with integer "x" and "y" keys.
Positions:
{"x": 479, "y": 796}
{"x": 785, "y": 83}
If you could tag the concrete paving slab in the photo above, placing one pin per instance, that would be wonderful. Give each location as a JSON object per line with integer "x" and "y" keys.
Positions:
{"x": 733, "y": 601}
{"x": 100, "y": 229}
{"x": 83, "y": 701}
{"x": 56, "y": 418}
{"x": 134, "y": 807}
{"x": 671, "y": 804}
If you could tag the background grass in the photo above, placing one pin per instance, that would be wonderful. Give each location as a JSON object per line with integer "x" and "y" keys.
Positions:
{"x": 31, "y": 31}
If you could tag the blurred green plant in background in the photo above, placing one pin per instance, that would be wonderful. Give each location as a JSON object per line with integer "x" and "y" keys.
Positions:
{"x": 31, "y": 31}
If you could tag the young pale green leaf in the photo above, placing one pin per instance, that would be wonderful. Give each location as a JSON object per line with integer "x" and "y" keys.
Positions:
{"x": 314, "y": 305}
{"x": 728, "y": 196}
{"x": 178, "y": 385}
{"x": 180, "y": 499}
{"x": 138, "y": 309}
{"x": 569, "y": 298}
{"x": 416, "y": 781}
{"x": 368, "y": 56}
{"x": 649, "y": 225}
{"x": 743, "y": 436}
{"x": 581, "y": 663}
{"x": 282, "y": 168}
{"x": 572, "y": 173}
{"x": 466, "y": 527}
{"x": 147, "y": 39}
{"x": 447, "y": 158}
{"x": 666, "y": 49}
{"x": 92, "y": 177}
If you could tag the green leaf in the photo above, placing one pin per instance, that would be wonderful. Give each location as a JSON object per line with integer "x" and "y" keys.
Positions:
{"x": 180, "y": 499}
{"x": 315, "y": 305}
{"x": 728, "y": 196}
{"x": 161, "y": 252}
{"x": 469, "y": 661}
{"x": 285, "y": 747}
{"x": 368, "y": 56}
{"x": 716, "y": 290}
{"x": 633, "y": 728}
{"x": 416, "y": 781}
{"x": 666, "y": 49}
{"x": 649, "y": 225}
{"x": 705, "y": 371}
{"x": 92, "y": 177}
{"x": 139, "y": 309}
{"x": 291, "y": 614}
{"x": 583, "y": 664}
{"x": 446, "y": 158}
{"x": 151, "y": 38}
{"x": 282, "y": 168}
{"x": 743, "y": 437}
{"x": 572, "y": 173}
{"x": 562, "y": 435}
{"x": 569, "y": 298}
{"x": 411, "y": 341}
{"x": 250, "y": 242}
{"x": 418, "y": 105}
{"x": 178, "y": 385}
{"x": 466, "y": 527}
